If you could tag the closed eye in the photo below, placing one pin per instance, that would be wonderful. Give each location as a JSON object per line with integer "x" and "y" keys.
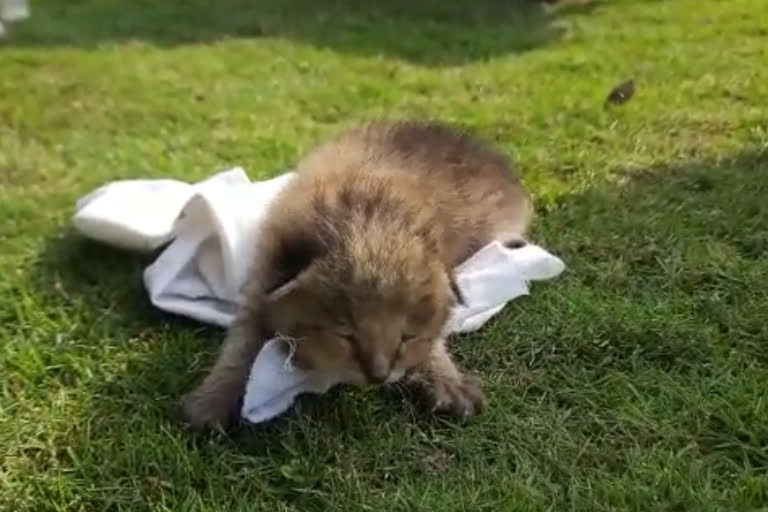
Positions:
{"x": 349, "y": 338}
{"x": 407, "y": 337}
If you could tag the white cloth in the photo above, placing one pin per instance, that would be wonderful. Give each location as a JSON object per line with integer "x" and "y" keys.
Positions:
{"x": 213, "y": 227}
{"x": 12, "y": 11}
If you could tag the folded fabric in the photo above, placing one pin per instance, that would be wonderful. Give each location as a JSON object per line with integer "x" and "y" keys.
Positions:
{"x": 213, "y": 229}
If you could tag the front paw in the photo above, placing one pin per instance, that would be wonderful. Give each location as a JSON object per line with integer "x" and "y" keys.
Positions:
{"x": 461, "y": 396}
{"x": 203, "y": 410}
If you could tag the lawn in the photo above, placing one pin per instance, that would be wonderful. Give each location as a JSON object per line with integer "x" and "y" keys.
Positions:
{"x": 636, "y": 381}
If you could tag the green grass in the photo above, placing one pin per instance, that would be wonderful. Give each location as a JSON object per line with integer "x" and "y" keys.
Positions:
{"x": 637, "y": 381}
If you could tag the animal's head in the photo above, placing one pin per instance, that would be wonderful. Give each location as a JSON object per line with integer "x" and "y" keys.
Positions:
{"x": 371, "y": 307}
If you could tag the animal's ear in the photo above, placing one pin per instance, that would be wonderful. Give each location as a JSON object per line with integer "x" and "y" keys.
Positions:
{"x": 457, "y": 295}
{"x": 293, "y": 258}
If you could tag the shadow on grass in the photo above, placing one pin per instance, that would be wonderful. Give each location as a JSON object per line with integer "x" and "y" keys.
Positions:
{"x": 433, "y": 32}
{"x": 103, "y": 289}
{"x": 682, "y": 239}
{"x": 140, "y": 361}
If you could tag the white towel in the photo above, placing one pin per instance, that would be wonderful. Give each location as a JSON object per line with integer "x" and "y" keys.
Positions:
{"x": 12, "y": 11}
{"x": 213, "y": 227}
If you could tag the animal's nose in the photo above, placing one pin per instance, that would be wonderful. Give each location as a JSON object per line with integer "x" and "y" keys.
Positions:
{"x": 378, "y": 369}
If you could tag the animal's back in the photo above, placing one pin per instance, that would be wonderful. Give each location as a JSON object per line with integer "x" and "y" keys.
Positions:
{"x": 439, "y": 178}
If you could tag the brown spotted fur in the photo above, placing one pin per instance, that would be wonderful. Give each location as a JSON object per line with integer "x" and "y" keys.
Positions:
{"x": 355, "y": 262}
